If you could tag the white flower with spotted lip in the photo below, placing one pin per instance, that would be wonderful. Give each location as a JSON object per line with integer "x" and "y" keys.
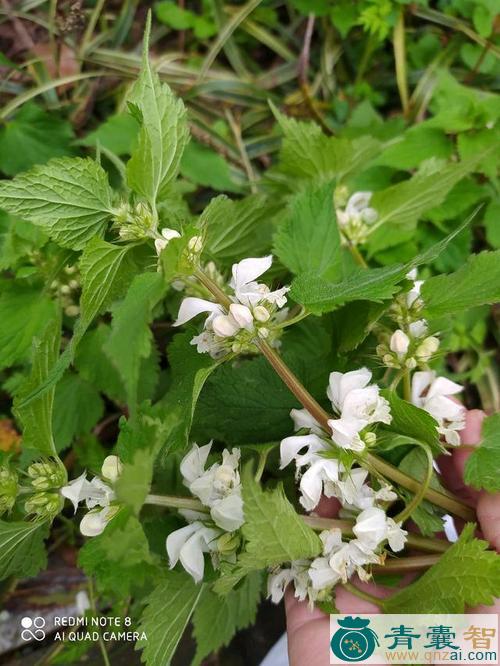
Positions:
{"x": 433, "y": 393}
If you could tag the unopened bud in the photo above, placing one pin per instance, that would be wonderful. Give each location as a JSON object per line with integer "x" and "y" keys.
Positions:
{"x": 227, "y": 543}
{"x": 263, "y": 333}
{"x": 46, "y": 475}
{"x": 410, "y": 363}
{"x": 399, "y": 343}
{"x": 261, "y": 313}
{"x": 428, "y": 347}
{"x": 8, "y": 489}
{"x": 224, "y": 326}
{"x": 44, "y": 505}
{"x": 111, "y": 468}
{"x": 242, "y": 315}
{"x": 370, "y": 438}
{"x": 418, "y": 328}
{"x": 195, "y": 244}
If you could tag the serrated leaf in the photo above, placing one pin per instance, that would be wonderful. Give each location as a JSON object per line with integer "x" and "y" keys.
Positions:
{"x": 307, "y": 153}
{"x": 155, "y": 160}
{"x": 466, "y": 575}
{"x": 22, "y": 552}
{"x": 409, "y": 420}
{"x": 216, "y": 622}
{"x": 131, "y": 339}
{"x": 482, "y": 469}
{"x": 476, "y": 283}
{"x": 274, "y": 532}
{"x": 164, "y": 623}
{"x": 69, "y": 197}
{"x": 237, "y": 228}
{"x": 308, "y": 239}
{"x": 36, "y": 417}
{"x": 24, "y": 313}
{"x": 33, "y": 136}
{"x": 119, "y": 558}
{"x": 402, "y": 205}
{"x": 77, "y": 408}
{"x": 319, "y": 295}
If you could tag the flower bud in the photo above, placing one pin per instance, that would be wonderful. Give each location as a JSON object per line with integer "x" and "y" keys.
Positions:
{"x": 261, "y": 313}
{"x": 111, "y": 468}
{"x": 410, "y": 363}
{"x": 242, "y": 315}
{"x": 428, "y": 347}
{"x": 8, "y": 489}
{"x": 47, "y": 474}
{"x": 224, "y": 326}
{"x": 44, "y": 504}
{"x": 227, "y": 543}
{"x": 94, "y": 522}
{"x": 195, "y": 244}
{"x": 263, "y": 333}
{"x": 399, "y": 343}
{"x": 418, "y": 328}
{"x": 369, "y": 438}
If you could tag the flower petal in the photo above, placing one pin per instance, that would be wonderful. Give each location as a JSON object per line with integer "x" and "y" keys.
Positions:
{"x": 249, "y": 269}
{"x": 193, "y": 464}
{"x": 290, "y": 447}
{"x": 177, "y": 539}
{"x": 227, "y": 513}
{"x": 191, "y": 306}
{"x": 340, "y": 384}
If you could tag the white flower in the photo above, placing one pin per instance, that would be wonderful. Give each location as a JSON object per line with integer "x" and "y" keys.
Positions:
{"x": 94, "y": 522}
{"x": 413, "y": 295}
{"x": 427, "y": 348}
{"x": 359, "y": 405}
{"x": 395, "y": 535}
{"x": 225, "y": 326}
{"x": 277, "y": 583}
{"x": 357, "y": 210}
{"x": 370, "y": 529}
{"x": 77, "y": 490}
{"x": 218, "y": 488}
{"x": 188, "y": 544}
{"x": 249, "y": 292}
{"x": 192, "y": 306}
{"x": 93, "y": 493}
{"x": 399, "y": 343}
{"x": 167, "y": 235}
{"x": 432, "y": 394}
{"x": 418, "y": 328}
{"x": 111, "y": 468}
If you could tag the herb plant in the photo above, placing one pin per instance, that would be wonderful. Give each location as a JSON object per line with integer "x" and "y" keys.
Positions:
{"x": 305, "y": 346}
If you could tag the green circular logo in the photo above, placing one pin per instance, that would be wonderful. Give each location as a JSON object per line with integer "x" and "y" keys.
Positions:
{"x": 354, "y": 641}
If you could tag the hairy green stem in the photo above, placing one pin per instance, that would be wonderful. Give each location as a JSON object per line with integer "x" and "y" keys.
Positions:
{"x": 173, "y": 502}
{"x": 443, "y": 499}
{"x": 405, "y": 564}
{"x": 361, "y": 594}
{"x": 418, "y": 497}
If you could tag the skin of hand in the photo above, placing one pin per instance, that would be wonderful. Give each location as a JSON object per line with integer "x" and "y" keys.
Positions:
{"x": 309, "y": 630}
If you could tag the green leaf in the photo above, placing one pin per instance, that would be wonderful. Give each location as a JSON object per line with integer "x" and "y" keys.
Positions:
{"x": 476, "y": 283}
{"x": 33, "y": 136}
{"x": 237, "y": 228}
{"x": 215, "y": 622}
{"x": 77, "y": 408}
{"x": 22, "y": 552}
{"x": 164, "y": 132}
{"x": 419, "y": 143}
{"x": 482, "y": 469}
{"x": 400, "y": 206}
{"x": 319, "y": 295}
{"x": 117, "y": 133}
{"x": 409, "y": 420}
{"x": 205, "y": 167}
{"x": 69, "y": 197}
{"x": 24, "y": 313}
{"x": 491, "y": 222}
{"x": 466, "y": 575}
{"x": 36, "y": 417}
{"x": 164, "y": 623}
{"x": 131, "y": 339}
{"x": 308, "y": 239}
{"x": 307, "y": 153}
{"x": 274, "y": 532}
{"x": 119, "y": 558}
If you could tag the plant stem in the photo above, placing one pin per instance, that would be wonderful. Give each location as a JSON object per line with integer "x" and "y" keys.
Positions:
{"x": 443, "y": 499}
{"x": 407, "y": 385}
{"x": 176, "y": 502}
{"x": 93, "y": 605}
{"x": 413, "y": 540}
{"x": 403, "y": 565}
{"x": 363, "y": 595}
{"x": 418, "y": 497}
{"x": 357, "y": 256}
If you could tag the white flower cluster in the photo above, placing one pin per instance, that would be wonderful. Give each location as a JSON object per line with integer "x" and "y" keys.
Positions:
{"x": 409, "y": 347}
{"x": 98, "y": 496}
{"x": 253, "y": 313}
{"x": 219, "y": 490}
{"x": 357, "y": 403}
{"x": 315, "y": 579}
{"x": 355, "y": 219}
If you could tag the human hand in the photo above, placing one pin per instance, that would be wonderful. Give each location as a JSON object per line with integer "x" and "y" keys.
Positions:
{"x": 309, "y": 630}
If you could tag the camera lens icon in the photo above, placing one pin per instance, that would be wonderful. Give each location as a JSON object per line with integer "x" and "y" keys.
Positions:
{"x": 33, "y": 628}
